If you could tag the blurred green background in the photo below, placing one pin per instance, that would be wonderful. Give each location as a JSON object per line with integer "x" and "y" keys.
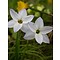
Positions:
{"x": 31, "y": 50}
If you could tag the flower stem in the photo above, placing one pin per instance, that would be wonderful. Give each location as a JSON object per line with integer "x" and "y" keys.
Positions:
{"x": 17, "y": 48}
{"x": 40, "y": 11}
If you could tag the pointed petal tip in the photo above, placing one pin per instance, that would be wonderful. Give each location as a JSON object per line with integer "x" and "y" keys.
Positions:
{"x": 11, "y": 23}
{"x": 46, "y": 29}
{"x": 24, "y": 38}
{"x": 23, "y": 10}
{"x": 32, "y": 16}
{"x": 11, "y": 10}
{"x": 15, "y": 31}
{"x": 46, "y": 39}
{"x": 40, "y": 18}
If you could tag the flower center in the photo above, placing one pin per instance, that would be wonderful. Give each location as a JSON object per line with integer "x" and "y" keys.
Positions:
{"x": 20, "y": 21}
{"x": 37, "y": 31}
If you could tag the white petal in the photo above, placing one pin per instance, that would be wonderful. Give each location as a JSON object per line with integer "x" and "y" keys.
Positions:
{"x": 39, "y": 22}
{"x": 46, "y": 39}
{"x": 29, "y": 35}
{"x": 13, "y": 14}
{"x": 32, "y": 27}
{"x": 11, "y": 23}
{"x": 17, "y": 26}
{"x": 46, "y": 29}
{"x": 39, "y": 38}
{"x": 25, "y": 28}
{"x": 22, "y": 13}
{"x": 27, "y": 18}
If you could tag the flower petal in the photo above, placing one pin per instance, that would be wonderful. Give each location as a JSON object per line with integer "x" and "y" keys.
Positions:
{"x": 13, "y": 14}
{"x": 32, "y": 27}
{"x": 25, "y": 28}
{"x": 29, "y": 35}
{"x": 46, "y": 39}
{"x": 11, "y": 23}
{"x": 46, "y": 29}
{"x": 39, "y": 22}
{"x": 27, "y": 18}
{"x": 17, "y": 26}
{"x": 22, "y": 13}
{"x": 39, "y": 38}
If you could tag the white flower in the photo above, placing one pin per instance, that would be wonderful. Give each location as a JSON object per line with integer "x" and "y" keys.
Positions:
{"x": 19, "y": 19}
{"x": 38, "y": 31}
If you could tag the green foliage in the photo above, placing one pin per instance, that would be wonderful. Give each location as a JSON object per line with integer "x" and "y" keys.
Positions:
{"x": 31, "y": 50}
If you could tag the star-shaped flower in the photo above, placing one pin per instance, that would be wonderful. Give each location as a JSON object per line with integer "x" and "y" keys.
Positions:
{"x": 19, "y": 19}
{"x": 38, "y": 31}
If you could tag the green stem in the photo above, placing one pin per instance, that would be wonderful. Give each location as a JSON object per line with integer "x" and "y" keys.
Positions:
{"x": 17, "y": 48}
{"x": 40, "y": 11}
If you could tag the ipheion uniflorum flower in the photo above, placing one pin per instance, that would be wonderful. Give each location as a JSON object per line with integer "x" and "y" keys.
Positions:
{"x": 38, "y": 31}
{"x": 19, "y": 19}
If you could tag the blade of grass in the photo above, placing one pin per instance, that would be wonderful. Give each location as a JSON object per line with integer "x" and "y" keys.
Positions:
{"x": 17, "y": 48}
